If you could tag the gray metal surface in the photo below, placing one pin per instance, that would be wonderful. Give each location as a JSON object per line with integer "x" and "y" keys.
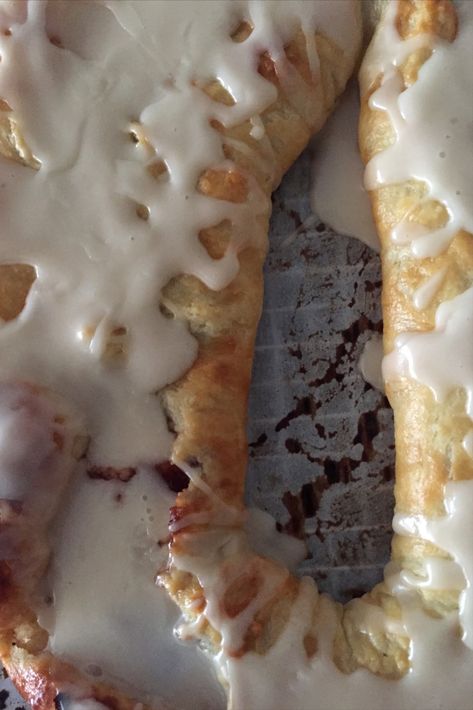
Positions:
{"x": 321, "y": 443}
{"x": 321, "y": 438}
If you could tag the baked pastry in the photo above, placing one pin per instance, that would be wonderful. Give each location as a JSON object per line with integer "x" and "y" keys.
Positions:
{"x": 413, "y": 631}
{"x": 409, "y": 135}
{"x": 140, "y": 143}
{"x": 277, "y": 643}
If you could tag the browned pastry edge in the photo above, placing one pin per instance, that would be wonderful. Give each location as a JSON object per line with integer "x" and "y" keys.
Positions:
{"x": 428, "y": 435}
{"x": 384, "y": 653}
{"x": 208, "y": 406}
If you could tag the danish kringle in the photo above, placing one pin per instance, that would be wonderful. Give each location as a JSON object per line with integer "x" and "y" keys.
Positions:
{"x": 277, "y": 643}
{"x": 141, "y": 142}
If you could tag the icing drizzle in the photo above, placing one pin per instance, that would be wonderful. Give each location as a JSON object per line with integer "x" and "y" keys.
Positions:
{"x": 95, "y": 207}
{"x": 438, "y": 649}
{"x": 107, "y": 233}
{"x": 114, "y": 123}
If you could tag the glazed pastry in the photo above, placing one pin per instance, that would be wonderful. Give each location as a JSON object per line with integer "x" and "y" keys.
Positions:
{"x": 141, "y": 142}
{"x": 413, "y": 134}
{"x": 198, "y": 159}
{"x": 397, "y": 646}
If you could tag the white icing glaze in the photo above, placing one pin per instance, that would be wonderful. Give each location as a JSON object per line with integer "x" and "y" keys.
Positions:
{"x": 452, "y": 533}
{"x": 371, "y": 619}
{"x": 436, "y": 652}
{"x": 370, "y": 362}
{"x": 432, "y": 122}
{"x": 468, "y": 443}
{"x": 317, "y": 684}
{"x": 437, "y": 573}
{"x": 107, "y": 554}
{"x": 126, "y": 61}
{"x": 426, "y": 292}
{"x": 36, "y": 438}
{"x": 220, "y": 557}
{"x": 441, "y": 358}
{"x": 338, "y": 196}
{"x": 266, "y": 541}
{"x": 85, "y": 289}
{"x": 387, "y": 50}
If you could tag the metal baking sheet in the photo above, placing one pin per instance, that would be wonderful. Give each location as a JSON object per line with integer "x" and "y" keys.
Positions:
{"x": 321, "y": 441}
{"x": 321, "y": 438}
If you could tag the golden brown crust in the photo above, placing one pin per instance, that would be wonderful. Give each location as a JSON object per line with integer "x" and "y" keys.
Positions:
{"x": 428, "y": 435}
{"x": 208, "y": 406}
{"x": 424, "y": 428}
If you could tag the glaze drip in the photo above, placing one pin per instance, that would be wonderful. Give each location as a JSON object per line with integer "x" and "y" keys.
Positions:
{"x": 100, "y": 337}
{"x": 113, "y": 128}
{"x": 433, "y": 106}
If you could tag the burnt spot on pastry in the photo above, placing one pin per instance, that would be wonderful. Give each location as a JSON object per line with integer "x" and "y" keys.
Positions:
{"x": 16, "y": 281}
